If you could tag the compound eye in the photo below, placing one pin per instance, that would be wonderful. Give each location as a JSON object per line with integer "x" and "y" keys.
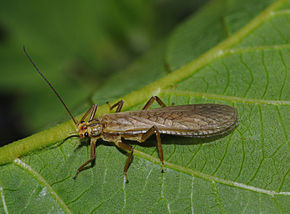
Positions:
{"x": 86, "y": 134}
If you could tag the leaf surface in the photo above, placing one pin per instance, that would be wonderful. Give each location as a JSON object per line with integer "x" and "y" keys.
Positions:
{"x": 231, "y": 54}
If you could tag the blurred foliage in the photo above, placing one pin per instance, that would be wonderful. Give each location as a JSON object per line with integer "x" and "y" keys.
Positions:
{"x": 78, "y": 46}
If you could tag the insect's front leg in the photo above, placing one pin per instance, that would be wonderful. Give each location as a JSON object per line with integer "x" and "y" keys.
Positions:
{"x": 129, "y": 148}
{"x": 151, "y": 100}
{"x": 92, "y": 158}
{"x": 91, "y": 111}
{"x": 146, "y": 135}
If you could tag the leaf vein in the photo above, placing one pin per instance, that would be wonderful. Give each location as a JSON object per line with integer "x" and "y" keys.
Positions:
{"x": 266, "y": 73}
{"x": 37, "y": 176}
{"x": 209, "y": 177}
{"x": 256, "y": 48}
{"x": 242, "y": 162}
{"x": 224, "y": 155}
{"x": 218, "y": 199}
{"x": 285, "y": 75}
{"x": 251, "y": 75}
{"x": 3, "y": 200}
{"x": 262, "y": 147}
{"x": 228, "y": 77}
{"x": 227, "y": 98}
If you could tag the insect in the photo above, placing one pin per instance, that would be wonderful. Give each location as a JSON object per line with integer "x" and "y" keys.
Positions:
{"x": 195, "y": 120}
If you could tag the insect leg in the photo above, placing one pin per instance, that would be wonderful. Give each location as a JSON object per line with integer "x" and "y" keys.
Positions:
{"x": 151, "y": 100}
{"x": 125, "y": 147}
{"x": 93, "y": 156}
{"x": 92, "y": 110}
{"x": 150, "y": 132}
{"x": 119, "y": 104}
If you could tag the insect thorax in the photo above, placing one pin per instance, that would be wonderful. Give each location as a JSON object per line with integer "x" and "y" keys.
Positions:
{"x": 94, "y": 128}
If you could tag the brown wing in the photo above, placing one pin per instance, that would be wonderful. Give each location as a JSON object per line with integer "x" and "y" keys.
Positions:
{"x": 187, "y": 120}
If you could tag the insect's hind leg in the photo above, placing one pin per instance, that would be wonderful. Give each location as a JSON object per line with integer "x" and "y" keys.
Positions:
{"x": 146, "y": 135}
{"x": 91, "y": 160}
{"x": 125, "y": 147}
{"x": 151, "y": 100}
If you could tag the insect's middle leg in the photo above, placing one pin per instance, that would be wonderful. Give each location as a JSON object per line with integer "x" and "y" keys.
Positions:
{"x": 126, "y": 147}
{"x": 92, "y": 158}
{"x": 146, "y": 135}
{"x": 118, "y": 104}
{"x": 151, "y": 100}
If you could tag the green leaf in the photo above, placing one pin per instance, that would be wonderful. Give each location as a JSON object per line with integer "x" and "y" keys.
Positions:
{"x": 231, "y": 52}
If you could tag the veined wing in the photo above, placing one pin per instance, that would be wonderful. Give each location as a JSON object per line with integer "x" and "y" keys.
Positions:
{"x": 187, "y": 120}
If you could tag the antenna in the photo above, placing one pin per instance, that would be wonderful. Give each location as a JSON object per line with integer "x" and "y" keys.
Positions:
{"x": 43, "y": 77}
